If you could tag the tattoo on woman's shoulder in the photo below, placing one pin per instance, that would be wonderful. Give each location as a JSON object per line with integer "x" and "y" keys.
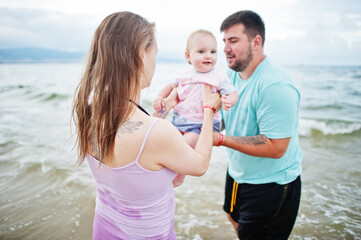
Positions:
{"x": 129, "y": 127}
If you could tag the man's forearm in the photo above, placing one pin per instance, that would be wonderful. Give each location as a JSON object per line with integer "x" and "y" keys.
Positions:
{"x": 257, "y": 146}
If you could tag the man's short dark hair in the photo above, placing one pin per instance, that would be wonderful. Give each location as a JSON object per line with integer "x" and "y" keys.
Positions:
{"x": 251, "y": 21}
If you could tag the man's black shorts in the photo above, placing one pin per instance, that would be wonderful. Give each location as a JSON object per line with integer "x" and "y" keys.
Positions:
{"x": 262, "y": 211}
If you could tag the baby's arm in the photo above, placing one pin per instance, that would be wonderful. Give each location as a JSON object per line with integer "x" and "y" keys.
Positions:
{"x": 229, "y": 100}
{"x": 158, "y": 102}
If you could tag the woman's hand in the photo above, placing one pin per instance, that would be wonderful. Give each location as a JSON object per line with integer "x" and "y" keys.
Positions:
{"x": 213, "y": 99}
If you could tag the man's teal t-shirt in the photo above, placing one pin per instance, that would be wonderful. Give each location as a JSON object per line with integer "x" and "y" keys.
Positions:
{"x": 268, "y": 105}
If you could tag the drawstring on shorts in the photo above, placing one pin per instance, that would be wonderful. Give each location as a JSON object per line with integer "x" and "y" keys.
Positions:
{"x": 234, "y": 195}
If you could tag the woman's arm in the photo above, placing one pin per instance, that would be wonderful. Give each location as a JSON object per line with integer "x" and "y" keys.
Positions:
{"x": 175, "y": 154}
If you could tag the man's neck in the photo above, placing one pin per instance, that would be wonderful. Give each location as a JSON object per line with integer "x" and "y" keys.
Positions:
{"x": 247, "y": 73}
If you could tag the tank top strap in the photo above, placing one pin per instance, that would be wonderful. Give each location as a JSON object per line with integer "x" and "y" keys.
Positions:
{"x": 146, "y": 138}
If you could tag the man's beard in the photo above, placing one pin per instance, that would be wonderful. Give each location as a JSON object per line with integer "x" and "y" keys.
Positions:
{"x": 240, "y": 65}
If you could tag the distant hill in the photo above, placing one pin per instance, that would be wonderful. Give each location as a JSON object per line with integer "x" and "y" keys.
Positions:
{"x": 36, "y": 55}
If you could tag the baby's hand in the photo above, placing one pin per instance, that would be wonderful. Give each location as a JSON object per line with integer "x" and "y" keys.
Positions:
{"x": 227, "y": 103}
{"x": 158, "y": 103}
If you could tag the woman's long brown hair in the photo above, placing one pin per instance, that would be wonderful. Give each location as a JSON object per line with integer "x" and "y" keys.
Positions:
{"x": 111, "y": 78}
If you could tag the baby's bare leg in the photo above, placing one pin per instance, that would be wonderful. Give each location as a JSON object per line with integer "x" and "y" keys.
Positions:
{"x": 169, "y": 103}
{"x": 191, "y": 138}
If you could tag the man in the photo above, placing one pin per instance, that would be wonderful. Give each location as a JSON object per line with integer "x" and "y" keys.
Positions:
{"x": 263, "y": 185}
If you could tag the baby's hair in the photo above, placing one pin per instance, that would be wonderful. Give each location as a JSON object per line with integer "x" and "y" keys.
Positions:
{"x": 194, "y": 34}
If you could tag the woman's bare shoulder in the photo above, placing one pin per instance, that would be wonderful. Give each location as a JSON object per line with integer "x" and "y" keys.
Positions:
{"x": 164, "y": 127}
{"x": 165, "y": 133}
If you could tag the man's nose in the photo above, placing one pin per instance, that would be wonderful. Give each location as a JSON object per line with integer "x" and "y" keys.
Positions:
{"x": 226, "y": 48}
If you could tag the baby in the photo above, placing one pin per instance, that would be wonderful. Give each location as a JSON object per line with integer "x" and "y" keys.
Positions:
{"x": 185, "y": 94}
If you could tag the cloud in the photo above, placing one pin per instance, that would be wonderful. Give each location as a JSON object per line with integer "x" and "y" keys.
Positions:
{"x": 324, "y": 32}
{"x": 39, "y": 28}
{"x": 297, "y": 32}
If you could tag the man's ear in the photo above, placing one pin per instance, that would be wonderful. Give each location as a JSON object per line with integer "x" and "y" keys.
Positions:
{"x": 187, "y": 56}
{"x": 257, "y": 42}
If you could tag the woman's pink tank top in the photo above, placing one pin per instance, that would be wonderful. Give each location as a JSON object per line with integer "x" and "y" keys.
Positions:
{"x": 133, "y": 202}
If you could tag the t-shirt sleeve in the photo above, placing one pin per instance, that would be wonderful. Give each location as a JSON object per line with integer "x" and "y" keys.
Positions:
{"x": 277, "y": 112}
{"x": 226, "y": 86}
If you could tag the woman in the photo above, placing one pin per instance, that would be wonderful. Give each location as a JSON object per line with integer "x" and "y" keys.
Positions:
{"x": 133, "y": 157}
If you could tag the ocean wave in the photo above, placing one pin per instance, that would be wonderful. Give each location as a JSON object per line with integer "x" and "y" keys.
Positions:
{"x": 47, "y": 97}
{"x": 309, "y": 127}
{"x": 334, "y": 106}
{"x": 10, "y": 88}
{"x": 32, "y": 93}
{"x": 356, "y": 76}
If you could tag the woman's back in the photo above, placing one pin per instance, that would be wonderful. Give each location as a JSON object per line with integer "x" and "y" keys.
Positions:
{"x": 135, "y": 191}
{"x": 133, "y": 202}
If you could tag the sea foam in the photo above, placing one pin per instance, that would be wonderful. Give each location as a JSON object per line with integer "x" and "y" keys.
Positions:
{"x": 309, "y": 126}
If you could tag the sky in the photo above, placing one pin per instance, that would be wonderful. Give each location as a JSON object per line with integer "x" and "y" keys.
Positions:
{"x": 297, "y": 31}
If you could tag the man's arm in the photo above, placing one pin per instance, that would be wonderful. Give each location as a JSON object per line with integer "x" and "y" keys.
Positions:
{"x": 277, "y": 117}
{"x": 257, "y": 146}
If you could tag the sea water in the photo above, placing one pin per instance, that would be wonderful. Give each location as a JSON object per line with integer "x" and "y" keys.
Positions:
{"x": 43, "y": 196}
